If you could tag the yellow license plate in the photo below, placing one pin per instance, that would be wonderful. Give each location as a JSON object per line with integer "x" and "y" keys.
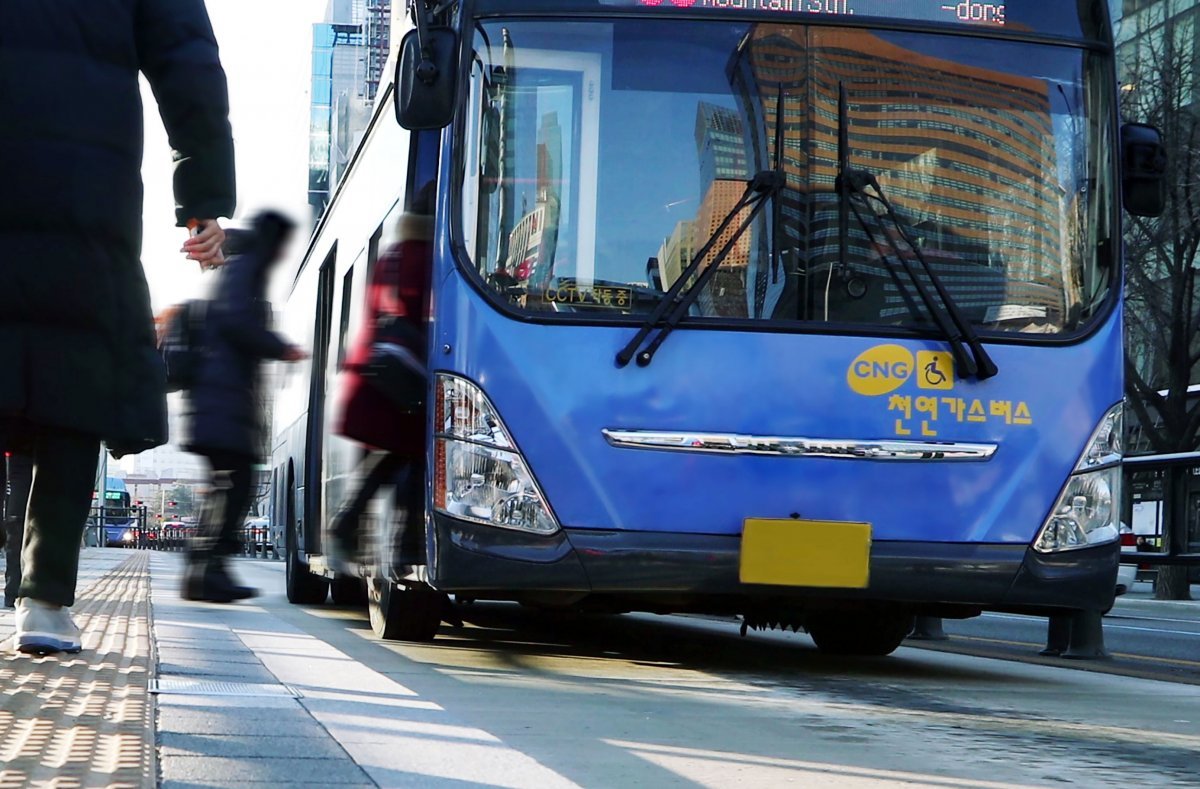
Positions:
{"x": 785, "y": 552}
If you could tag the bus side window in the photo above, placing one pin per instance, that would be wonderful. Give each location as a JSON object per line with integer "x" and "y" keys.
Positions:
{"x": 344, "y": 318}
{"x": 373, "y": 252}
{"x": 387, "y": 231}
{"x": 422, "y": 163}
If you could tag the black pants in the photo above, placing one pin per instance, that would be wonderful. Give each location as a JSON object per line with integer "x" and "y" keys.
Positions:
{"x": 20, "y": 477}
{"x": 375, "y": 470}
{"x": 224, "y": 512}
{"x": 60, "y": 496}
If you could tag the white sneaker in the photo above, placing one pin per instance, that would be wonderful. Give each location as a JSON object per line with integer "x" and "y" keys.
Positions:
{"x": 45, "y": 628}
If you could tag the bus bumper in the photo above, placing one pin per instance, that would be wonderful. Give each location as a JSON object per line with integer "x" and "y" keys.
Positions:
{"x": 473, "y": 558}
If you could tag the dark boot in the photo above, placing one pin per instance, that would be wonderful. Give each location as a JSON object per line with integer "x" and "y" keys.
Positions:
{"x": 209, "y": 581}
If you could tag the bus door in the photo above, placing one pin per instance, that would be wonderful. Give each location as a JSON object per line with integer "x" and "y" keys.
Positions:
{"x": 313, "y": 465}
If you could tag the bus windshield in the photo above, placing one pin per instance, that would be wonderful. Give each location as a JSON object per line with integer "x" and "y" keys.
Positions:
{"x": 601, "y": 156}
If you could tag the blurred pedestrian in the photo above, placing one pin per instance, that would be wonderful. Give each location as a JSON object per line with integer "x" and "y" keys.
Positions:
{"x": 224, "y": 407}
{"x": 395, "y": 442}
{"x": 18, "y": 472}
{"x": 76, "y": 334}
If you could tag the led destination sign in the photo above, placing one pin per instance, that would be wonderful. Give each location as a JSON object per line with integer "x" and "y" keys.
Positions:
{"x": 953, "y": 11}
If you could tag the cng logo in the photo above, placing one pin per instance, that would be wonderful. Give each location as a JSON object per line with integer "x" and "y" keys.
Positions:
{"x": 879, "y": 370}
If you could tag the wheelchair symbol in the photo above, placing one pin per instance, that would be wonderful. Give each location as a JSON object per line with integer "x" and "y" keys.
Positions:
{"x": 934, "y": 376}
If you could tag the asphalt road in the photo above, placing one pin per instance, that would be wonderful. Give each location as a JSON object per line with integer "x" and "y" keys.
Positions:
{"x": 641, "y": 700}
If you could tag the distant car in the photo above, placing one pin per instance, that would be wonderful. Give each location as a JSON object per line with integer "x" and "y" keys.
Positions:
{"x": 1126, "y": 575}
{"x": 258, "y": 536}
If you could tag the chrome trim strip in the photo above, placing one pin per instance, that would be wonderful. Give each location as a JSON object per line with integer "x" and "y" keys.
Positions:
{"x": 848, "y": 448}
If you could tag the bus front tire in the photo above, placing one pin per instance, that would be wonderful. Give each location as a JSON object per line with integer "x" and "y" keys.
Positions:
{"x": 869, "y": 634}
{"x": 398, "y": 613}
{"x": 303, "y": 588}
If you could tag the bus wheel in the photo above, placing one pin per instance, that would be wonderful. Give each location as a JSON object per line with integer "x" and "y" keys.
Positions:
{"x": 303, "y": 588}
{"x": 348, "y": 590}
{"x": 868, "y": 634}
{"x": 398, "y": 613}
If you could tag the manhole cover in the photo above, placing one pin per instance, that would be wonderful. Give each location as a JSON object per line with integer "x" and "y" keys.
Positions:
{"x": 193, "y": 687}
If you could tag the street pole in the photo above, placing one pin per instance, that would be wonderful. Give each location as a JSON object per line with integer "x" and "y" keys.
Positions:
{"x": 101, "y": 495}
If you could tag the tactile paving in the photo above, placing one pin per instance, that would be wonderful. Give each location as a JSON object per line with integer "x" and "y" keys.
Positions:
{"x": 85, "y": 720}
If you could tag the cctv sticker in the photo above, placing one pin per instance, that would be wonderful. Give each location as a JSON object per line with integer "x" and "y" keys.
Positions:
{"x": 879, "y": 370}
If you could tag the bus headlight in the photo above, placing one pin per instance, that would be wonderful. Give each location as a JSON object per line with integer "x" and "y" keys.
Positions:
{"x": 479, "y": 474}
{"x": 1088, "y": 509}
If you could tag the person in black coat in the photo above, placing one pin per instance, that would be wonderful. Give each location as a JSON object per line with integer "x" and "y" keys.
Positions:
{"x": 225, "y": 410}
{"x": 18, "y": 478}
{"x": 77, "y": 341}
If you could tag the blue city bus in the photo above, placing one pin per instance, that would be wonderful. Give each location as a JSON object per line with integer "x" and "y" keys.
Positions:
{"x": 118, "y": 522}
{"x": 807, "y": 312}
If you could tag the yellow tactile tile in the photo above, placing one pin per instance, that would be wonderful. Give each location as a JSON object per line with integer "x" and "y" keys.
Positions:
{"x": 85, "y": 720}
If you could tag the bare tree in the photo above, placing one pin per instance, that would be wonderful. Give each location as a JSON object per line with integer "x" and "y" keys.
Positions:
{"x": 1163, "y": 311}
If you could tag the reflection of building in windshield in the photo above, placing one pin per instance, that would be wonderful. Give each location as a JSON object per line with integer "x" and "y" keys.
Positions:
{"x": 525, "y": 244}
{"x": 532, "y": 243}
{"x": 719, "y": 145}
{"x": 676, "y": 253}
{"x": 721, "y": 150}
{"x": 966, "y": 154}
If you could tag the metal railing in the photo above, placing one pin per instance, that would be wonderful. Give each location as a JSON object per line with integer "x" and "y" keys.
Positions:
{"x": 130, "y": 527}
{"x": 257, "y": 540}
{"x": 173, "y": 536}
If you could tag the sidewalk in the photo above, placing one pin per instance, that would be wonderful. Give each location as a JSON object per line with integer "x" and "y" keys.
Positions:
{"x": 163, "y": 694}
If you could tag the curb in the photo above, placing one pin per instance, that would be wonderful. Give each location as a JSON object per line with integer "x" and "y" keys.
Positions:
{"x": 1143, "y": 605}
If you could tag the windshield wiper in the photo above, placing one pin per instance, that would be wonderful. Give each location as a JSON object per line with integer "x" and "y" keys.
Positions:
{"x": 674, "y": 306}
{"x": 765, "y": 185}
{"x": 901, "y": 288}
{"x": 955, "y": 328}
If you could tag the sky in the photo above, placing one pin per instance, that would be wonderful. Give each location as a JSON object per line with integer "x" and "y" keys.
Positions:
{"x": 266, "y": 49}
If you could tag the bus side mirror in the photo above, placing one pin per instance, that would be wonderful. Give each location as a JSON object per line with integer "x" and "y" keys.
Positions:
{"x": 426, "y": 78}
{"x": 1143, "y": 170}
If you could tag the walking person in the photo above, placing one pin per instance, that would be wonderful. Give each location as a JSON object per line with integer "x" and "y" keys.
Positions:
{"x": 18, "y": 477}
{"x": 77, "y": 340}
{"x": 224, "y": 409}
{"x": 394, "y": 442}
